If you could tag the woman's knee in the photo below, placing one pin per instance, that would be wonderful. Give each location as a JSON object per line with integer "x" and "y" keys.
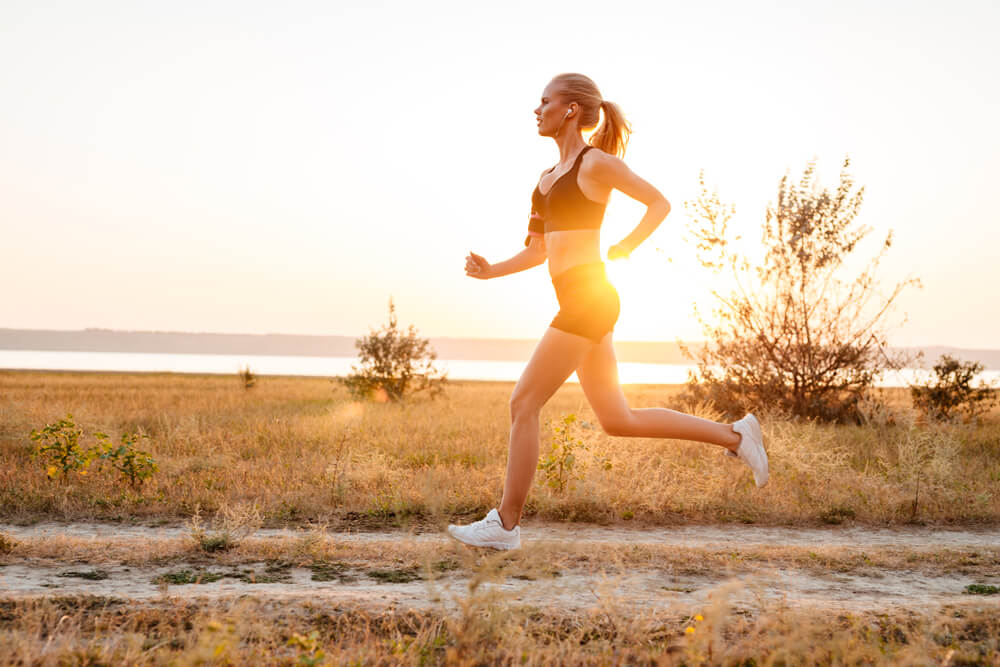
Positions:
{"x": 617, "y": 424}
{"x": 523, "y": 405}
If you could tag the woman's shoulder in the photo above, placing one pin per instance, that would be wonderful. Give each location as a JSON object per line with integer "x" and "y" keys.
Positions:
{"x": 597, "y": 164}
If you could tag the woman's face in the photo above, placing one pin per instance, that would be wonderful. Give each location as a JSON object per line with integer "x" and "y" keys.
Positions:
{"x": 552, "y": 110}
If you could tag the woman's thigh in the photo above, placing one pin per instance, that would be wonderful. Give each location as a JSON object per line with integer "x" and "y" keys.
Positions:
{"x": 555, "y": 358}
{"x": 598, "y": 373}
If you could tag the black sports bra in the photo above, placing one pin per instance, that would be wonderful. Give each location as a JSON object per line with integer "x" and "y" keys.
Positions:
{"x": 564, "y": 207}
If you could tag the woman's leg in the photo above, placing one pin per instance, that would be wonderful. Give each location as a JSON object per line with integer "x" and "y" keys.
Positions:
{"x": 598, "y": 373}
{"x": 555, "y": 358}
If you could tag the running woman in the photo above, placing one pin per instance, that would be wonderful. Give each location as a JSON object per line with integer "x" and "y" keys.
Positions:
{"x": 567, "y": 208}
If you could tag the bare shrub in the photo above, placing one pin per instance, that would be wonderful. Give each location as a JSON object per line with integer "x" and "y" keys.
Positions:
{"x": 394, "y": 363}
{"x": 230, "y": 526}
{"x": 795, "y": 334}
{"x": 951, "y": 393}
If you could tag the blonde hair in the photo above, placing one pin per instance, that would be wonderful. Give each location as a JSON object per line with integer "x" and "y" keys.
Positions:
{"x": 613, "y": 134}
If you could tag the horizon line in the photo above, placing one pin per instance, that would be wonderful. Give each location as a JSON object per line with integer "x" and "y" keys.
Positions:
{"x": 450, "y": 337}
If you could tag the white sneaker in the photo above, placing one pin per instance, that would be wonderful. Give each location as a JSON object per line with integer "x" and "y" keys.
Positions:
{"x": 488, "y": 532}
{"x": 751, "y": 449}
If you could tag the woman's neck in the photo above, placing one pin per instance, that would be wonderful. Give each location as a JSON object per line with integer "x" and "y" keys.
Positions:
{"x": 569, "y": 145}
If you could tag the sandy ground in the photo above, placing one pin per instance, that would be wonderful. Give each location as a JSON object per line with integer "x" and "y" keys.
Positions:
{"x": 567, "y": 588}
{"x": 569, "y": 591}
{"x": 737, "y": 535}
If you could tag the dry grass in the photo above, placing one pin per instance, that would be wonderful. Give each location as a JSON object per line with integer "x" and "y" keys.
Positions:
{"x": 297, "y": 449}
{"x": 484, "y": 630}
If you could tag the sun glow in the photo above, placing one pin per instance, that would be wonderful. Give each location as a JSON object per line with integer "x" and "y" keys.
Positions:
{"x": 281, "y": 214}
{"x": 656, "y": 297}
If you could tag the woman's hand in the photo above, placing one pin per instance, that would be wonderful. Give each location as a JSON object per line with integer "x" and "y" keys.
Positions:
{"x": 476, "y": 266}
{"x": 619, "y": 251}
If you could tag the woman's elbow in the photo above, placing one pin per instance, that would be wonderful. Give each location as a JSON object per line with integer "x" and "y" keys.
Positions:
{"x": 659, "y": 203}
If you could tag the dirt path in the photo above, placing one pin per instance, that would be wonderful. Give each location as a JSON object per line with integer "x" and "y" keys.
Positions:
{"x": 914, "y": 582}
{"x": 568, "y": 591}
{"x": 737, "y": 536}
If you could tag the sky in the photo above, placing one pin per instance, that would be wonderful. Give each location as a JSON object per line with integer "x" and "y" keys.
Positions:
{"x": 260, "y": 167}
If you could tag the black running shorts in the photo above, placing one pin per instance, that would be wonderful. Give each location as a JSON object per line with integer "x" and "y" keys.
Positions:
{"x": 588, "y": 303}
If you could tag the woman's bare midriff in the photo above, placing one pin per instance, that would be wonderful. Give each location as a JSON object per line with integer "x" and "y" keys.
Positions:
{"x": 568, "y": 248}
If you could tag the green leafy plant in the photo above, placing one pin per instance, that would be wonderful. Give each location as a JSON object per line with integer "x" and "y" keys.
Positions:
{"x": 558, "y": 467}
{"x": 58, "y": 444}
{"x": 393, "y": 363}
{"x": 951, "y": 393}
{"x": 135, "y": 465}
{"x": 981, "y": 589}
{"x": 308, "y": 645}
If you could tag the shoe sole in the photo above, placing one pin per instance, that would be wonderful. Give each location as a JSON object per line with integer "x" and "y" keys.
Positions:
{"x": 758, "y": 435}
{"x": 755, "y": 426}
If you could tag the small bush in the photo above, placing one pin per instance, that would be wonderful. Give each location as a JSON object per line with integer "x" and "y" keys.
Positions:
{"x": 557, "y": 467}
{"x": 59, "y": 446}
{"x": 951, "y": 393}
{"x": 135, "y": 465}
{"x": 393, "y": 364}
{"x": 247, "y": 377}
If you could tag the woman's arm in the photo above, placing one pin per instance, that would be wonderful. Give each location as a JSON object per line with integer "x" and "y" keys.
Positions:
{"x": 476, "y": 266}
{"x": 614, "y": 173}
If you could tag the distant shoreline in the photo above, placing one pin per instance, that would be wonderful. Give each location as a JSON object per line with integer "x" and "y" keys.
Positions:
{"x": 488, "y": 349}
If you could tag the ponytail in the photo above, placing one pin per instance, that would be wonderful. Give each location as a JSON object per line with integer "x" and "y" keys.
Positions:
{"x": 614, "y": 131}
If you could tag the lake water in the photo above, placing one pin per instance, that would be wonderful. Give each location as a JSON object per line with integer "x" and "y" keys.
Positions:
{"x": 458, "y": 369}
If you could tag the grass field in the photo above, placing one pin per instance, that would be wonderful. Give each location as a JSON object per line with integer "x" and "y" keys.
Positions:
{"x": 296, "y": 453}
{"x": 297, "y": 449}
